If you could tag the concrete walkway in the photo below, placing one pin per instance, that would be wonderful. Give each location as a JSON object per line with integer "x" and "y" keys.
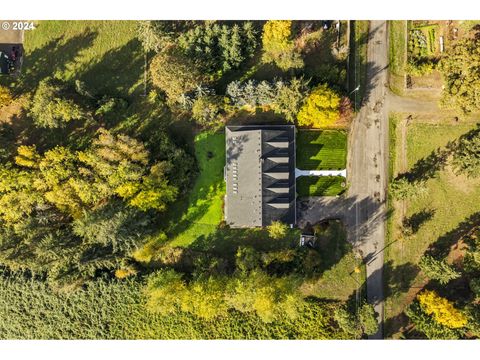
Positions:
{"x": 299, "y": 173}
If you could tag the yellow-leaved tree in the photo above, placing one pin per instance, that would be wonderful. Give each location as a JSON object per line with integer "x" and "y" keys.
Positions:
{"x": 441, "y": 309}
{"x": 321, "y": 108}
{"x": 5, "y": 96}
{"x": 278, "y": 46}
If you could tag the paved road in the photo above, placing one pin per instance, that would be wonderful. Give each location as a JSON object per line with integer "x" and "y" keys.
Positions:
{"x": 363, "y": 208}
{"x": 368, "y": 169}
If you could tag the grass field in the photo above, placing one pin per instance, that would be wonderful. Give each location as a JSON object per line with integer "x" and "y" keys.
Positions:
{"x": 320, "y": 186}
{"x": 321, "y": 150}
{"x": 451, "y": 199}
{"x": 339, "y": 279}
{"x": 104, "y": 54}
{"x": 397, "y": 54}
{"x": 204, "y": 206}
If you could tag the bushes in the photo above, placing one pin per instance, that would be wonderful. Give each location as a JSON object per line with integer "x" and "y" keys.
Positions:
{"x": 277, "y": 230}
{"x": 421, "y": 67}
{"x": 5, "y": 96}
{"x": 364, "y": 322}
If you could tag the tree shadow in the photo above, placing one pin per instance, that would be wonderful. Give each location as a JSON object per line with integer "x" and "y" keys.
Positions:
{"x": 51, "y": 58}
{"x": 119, "y": 72}
{"x": 414, "y": 222}
{"x": 441, "y": 247}
{"x": 398, "y": 279}
{"x": 427, "y": 167}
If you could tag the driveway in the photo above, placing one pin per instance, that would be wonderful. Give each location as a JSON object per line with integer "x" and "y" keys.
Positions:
{"x": 12, "y": 41}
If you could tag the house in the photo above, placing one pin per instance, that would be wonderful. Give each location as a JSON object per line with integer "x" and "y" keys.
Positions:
{"x": 260, "y": 175}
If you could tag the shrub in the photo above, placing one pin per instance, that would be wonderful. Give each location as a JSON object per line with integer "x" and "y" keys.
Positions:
{"x": 277, "y": 230}
{"x": 5, "y": 96}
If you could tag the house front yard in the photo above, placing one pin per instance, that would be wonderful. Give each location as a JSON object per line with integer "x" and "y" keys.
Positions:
{"x": 321, "y": 150}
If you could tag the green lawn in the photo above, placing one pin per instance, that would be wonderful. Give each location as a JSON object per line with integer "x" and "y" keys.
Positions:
{"x": 320, "y": 186}
{"x": 205, "y": 201}
{"x": 106, "y": 55}
{"x": 451, "y": 199}
{"x": 339, "y": 279}
{"x": 397, "y": 54}
{"x": 321, "y": 150}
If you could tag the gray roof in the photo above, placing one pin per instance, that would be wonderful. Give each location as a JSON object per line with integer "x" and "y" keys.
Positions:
{"x": 260, "y": 175}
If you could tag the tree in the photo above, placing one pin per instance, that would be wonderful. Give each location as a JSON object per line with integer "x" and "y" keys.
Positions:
{"x": 368, "y": 319}
{"x": 154, "y": 192}
{"x": 5, "y": 96}
{"x": 466, "y": 156}
{"x": 27, "y": 156}
{"x": 459, "y": 67}
{"x": 277, "y": 230}
{"x": 438, "y": 269}
{"x": 441, "y": 309}
{"x": 165, "y": 289}
{"x": 175, "y": 73}
{"x": 18, "y": 196}
{"x": 284, "y": 97}
{"x": 278, "y": 46}
{"x": 363, "y": 322}
{"x": 321, "y": 108}
{"x": 270, "y": 298}
{"x": 424, "y": 323}
{"x": 219, "y": 48}
{"x": 289, "y": 97}
{"x": 247, "y": 259}
{"x": 206, "y": 109}
{"x": 51, "y": 108}
{"x": 402, "y": 189}
{"x": 158, "y": 34}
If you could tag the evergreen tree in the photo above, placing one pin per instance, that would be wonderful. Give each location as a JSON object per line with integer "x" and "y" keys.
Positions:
{"x": 438, "y": 269}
